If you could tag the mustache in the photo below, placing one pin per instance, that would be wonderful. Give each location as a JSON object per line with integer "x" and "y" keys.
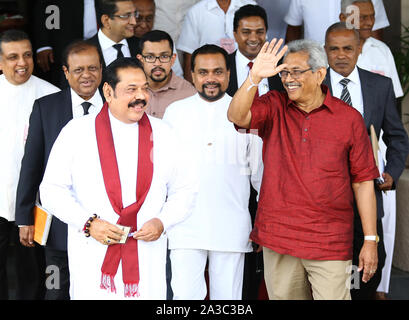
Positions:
{"x": 158, "y": 68}
{"x": 218, "y": 85}
{"x": 136, "y": 102}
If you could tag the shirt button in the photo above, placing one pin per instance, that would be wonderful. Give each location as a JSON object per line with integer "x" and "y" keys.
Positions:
{"x": 304, "y": 140}
{"x": 305, "y": 129}
{"x": 308, "y": 118}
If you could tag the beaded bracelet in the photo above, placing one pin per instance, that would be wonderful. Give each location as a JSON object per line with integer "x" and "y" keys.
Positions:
{"x": 88, "y": 224}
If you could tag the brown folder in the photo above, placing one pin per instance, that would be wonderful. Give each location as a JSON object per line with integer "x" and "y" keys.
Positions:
{"x": 42, "y": 223}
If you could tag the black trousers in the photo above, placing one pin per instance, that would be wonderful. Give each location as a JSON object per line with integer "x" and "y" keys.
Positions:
{"x": 58, "y": 275}
{"x": 21, "y": 268}
{"x": 367, "y": 290}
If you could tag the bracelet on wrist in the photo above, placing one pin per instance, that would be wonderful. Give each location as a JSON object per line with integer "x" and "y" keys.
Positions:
{"x": 252, "y": 83}
{"x": 87, "y": 225}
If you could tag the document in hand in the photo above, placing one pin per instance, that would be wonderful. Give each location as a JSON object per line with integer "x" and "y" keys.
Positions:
{"x": 377, "y": 154}
{"x": 42, "y": 223}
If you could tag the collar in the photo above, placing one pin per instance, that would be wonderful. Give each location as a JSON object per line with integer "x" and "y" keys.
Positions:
{"x": 328, "y": 101}
{"x": 353, "y": 76}
{"x": 212, "y": 4}
{"x": 95, "y": 100}
{"x": 241, "y": 60}
{"x": 106, "y": 42}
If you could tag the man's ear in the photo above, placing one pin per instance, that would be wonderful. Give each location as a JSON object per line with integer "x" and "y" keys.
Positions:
{"x": 342, "y": 17}
{"x": 108, "y": 92}
{"x": 105, "y": 21}
{"x": 321, "y": 73}
{"x": 65, "y": 70}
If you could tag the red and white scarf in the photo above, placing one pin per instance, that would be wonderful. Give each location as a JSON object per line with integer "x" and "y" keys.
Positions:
{"x": 128, "y": 252}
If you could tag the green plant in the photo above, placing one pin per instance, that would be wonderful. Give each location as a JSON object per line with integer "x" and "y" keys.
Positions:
{"x": 402, "y": 59}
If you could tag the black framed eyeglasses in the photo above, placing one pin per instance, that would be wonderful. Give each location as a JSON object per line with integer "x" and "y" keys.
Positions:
{"x": 164, "y": 58}
{"x": 127, "y": 16}
{"x": 295, "y": 74}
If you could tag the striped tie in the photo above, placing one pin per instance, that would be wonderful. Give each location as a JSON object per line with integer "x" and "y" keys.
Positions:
{"x": 345, "y": 96}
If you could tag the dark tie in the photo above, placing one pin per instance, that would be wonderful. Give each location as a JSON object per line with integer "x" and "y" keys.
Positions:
{"x": 250, "y": 65}
{"x": 117, "y": 47}
{"x": 85, "y": 106}
{"x": 345, "y": 96}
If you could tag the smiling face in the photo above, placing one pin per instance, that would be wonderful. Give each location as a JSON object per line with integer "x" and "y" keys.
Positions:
{"x": 210, "y": 76}
{"x": 343, "y": 49}
{"x": 128, "y": 101}
{"x": 84, "y": 72}
{"x": 250, "y": 36}
{"x": 366, "y": 18}
{"x": 306, "y": 86}
{"x": 145, "y": 20}
{"x": 117, "y": 28}
{"x": 16, "y": 61}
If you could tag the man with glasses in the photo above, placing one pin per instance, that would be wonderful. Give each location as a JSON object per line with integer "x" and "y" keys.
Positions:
{"x": 115, "y": 38}
{"x": 144, "y": 23}
{"x": 157, "y": 57}
{"x": 317, "y": 157}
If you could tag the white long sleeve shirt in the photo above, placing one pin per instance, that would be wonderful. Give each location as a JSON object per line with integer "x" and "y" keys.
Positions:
{"x": 226, "y": 162}
{"x": 16, "y": 104}
{"x": 73, "y": 189}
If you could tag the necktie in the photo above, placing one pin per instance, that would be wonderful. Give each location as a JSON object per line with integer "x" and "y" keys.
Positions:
{"x": 117, "y": 47}
{"x": 250, "y": 65}
{"x": 345, "y": 96}
{"x": 86, "y": 106}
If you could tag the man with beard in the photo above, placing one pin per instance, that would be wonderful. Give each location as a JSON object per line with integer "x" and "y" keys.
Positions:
{"x": 218, "y": 228}
{"x": 157, "y": 58}
{"x": 118, "y": 167}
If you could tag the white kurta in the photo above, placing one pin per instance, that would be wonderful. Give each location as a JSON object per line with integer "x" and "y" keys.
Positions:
{"x": 226, "y": 161}
{"x": 377, "y": 57}
{"x": 73, "y": 189}
{"x": 16, "y": 105}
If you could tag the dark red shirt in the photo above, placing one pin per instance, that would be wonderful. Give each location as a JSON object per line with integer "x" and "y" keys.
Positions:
{"x": 310, "y": 160}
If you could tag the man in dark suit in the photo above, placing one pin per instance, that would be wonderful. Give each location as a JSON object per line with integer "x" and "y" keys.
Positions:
{"x": 115, "y": 38}
{"x": 56, "y": 24}
{"x": 373, "y": 96}
{"x": 250, "y": 31}
{"x": 83, "y": 70}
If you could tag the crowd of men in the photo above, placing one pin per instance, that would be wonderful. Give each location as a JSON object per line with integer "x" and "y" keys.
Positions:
{"x": 200, "y": 149}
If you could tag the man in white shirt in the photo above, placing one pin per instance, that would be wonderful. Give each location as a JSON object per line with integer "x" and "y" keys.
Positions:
{"x": 208, "y": 22}
{"x": 276, "y": 9}
{"x": 115, "y": 37}
{"x": 126, "y": 168}
{"x": 83, "y": 70}
{"x": 318, "y": 15}
{"x": 377, "y": 57}
{"x": 18, "y": 90}
{"x": 219, "y": 226}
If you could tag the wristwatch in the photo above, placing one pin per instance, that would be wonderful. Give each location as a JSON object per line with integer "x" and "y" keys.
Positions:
{"x": 372, "y": 238}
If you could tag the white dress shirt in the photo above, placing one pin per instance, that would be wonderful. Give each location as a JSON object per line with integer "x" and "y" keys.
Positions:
{"x": 354, "y": 88}
{"x": 276, "y": 11}
{"x": 243, "y": 69}
{"x": 226, "y": 161}
{"x": 318, "y": 15}
{"x": 108, "y": 51}
{"x": 78, "y": 110}
{"x": 15, "y": 109}
{"x": 206, "y": 22}
{"x": 377, "y": 57}
{"x": 73, "y": 189}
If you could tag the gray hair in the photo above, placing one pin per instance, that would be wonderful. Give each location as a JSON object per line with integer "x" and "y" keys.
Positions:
{"x": 317, "y": 57}
{"x": 346, "y": 3}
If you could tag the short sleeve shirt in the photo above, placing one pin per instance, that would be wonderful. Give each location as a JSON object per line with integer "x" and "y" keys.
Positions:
{"x": 310, "y": 160}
